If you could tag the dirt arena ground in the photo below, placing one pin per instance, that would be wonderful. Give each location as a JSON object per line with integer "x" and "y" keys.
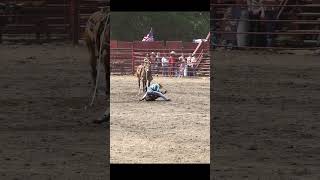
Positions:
{"x": 265, "y": 116}
{"x": 44, "y": 131}
{"x": 160, "y": 131}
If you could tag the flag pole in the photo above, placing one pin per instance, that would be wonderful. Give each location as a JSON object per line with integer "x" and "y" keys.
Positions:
{"x": 208, "y": 36}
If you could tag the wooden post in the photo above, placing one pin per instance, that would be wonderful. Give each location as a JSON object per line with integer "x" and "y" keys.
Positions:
{"x": 75, "y": 21}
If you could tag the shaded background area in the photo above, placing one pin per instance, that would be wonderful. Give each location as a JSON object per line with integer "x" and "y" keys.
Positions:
{"x": 181, "y": 26}
{"x": 283, "y": 24}
{"x": 60, "y": 19}
{"x": 265, "y": 116}
{"x": 45, "y": 133}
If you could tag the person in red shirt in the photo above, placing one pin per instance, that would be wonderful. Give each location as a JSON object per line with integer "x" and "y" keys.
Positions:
{"x": 172, "y": 63}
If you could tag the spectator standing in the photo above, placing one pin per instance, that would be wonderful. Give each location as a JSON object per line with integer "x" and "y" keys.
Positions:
{"x": 164, "y": 62}
{"x": 172, "y": 63}
{"x": 256, "y": 12}
{"x": 177, "y": 67}
{"x": 270, "y": 14}
{"x": 231, "y": 17}
{"x": 189, "y": 65}
{"x": 228, "y": 38}
{"x": 152, "y": 60}
{"x": 243, "y": 27}
{"x": 185, "y": 71}
{"x": 193, "y": 61}
{"x": 146, "y": 61}
{"x": 158, "y": 63}
{"x": 182, "y": 66}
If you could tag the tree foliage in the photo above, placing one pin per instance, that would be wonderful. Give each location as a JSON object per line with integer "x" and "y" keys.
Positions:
{"x": 167, "y": 26}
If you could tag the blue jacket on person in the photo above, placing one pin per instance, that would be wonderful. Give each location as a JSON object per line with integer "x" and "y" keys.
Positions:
{"x": 154, "y": 88}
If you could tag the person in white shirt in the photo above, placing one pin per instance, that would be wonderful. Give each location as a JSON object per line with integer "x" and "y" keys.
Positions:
{"x": 193, "y": 61}
{"x": 164, "y": 63}
{"x": 152, "y": 60}
{"x": 158, "y": 63}
{"x": 256, "y": 12}
{"x": 256, "y": 7}
{"x": 189, "y": 65}
{"x": 182, "y": 65}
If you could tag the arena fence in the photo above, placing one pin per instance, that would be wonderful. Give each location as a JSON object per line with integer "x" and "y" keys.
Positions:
{"x": 126, "y": 56}
{"x": 289, "y": 24}
{"x": 55, "y": 19}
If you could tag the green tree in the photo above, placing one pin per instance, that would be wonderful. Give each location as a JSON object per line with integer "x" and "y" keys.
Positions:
{"x": 167, "y": 26}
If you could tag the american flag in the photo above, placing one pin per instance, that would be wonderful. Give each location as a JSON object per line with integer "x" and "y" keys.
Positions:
{"x": 149, "y": 36}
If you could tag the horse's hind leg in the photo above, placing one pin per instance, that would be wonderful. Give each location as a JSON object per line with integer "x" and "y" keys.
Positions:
{"x": 144, "y": 85}
{"x": 139, "y": 83}
{"x": 148, "y": 83}
{"x": 93, "y": 64}
{"x": 107, "y": 72}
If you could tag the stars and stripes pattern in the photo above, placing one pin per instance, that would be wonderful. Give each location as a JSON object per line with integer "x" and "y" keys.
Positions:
{"x": 149, "y": 36}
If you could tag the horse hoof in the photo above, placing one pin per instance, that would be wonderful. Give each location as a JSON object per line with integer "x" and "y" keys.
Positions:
{"x": 99, "y": 121}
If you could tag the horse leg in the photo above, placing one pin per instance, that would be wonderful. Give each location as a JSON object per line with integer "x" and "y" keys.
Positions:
{"x": 139, "y": 91}
{"x": 145, "y": 85}
{"x": 107, "y": 72}
{"x": 148, "y": 81}
{"x": 93, "y": 63}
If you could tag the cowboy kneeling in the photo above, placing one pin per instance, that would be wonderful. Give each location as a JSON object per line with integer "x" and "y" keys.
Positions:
{"x": 154, "y": 92}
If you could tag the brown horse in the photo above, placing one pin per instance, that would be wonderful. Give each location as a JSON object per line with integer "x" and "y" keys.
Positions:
{"x": 144, "y": 76}
{"x": 96, "y": 38}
